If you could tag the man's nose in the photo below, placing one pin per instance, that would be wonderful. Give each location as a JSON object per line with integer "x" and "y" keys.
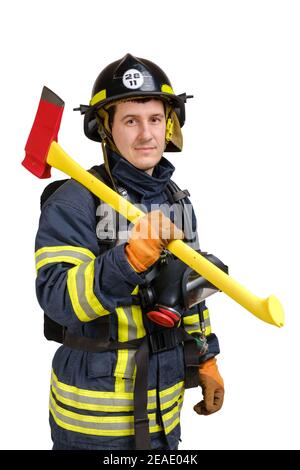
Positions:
{"x": 145, "y": 131}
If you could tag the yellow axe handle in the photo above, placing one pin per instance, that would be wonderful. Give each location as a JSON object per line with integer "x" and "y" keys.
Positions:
{"x": 268, "y": 310}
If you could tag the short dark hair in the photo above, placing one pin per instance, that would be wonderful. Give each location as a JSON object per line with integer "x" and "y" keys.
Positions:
{"x": 112, "y": 109}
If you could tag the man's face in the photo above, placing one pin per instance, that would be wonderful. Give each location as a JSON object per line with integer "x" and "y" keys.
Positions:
{"x": 139, "y": 131}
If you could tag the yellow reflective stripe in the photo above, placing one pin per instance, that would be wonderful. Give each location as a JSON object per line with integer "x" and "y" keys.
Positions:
{"x": 192, "y": 323}
{"x": 53, "y": 249}
{"x": 171, "y": 419}
{"x": 89, "y": 291}
{"x": 205, "y": 313}
{"x": 101, "y": 95}
{"x": 191, "y": 319}
{"x": 169, "y": 401}
{"x": 97, "y": 425}
{"x": 120, "y": 384}
{"x": 92, "y": 419}
{"x": 207, "y": 330}
{"x": 174, "y": 388}
{"x": 122, "y": 324}
{"x": 122, "y": 354}
{"x": 63, "y": 253}
{"x": 167, "y": 89}
{"x": 72, "y": 289}
{"x": 121, "y": 363}
{"x": 130, "y": 327}
{"x": 90, "y": 406}
{"x": 80, "y": 282}
{"x": 170, "y": 395}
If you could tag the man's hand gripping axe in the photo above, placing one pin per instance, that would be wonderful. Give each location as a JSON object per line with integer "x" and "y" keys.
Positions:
{"x": 43, "y": 152}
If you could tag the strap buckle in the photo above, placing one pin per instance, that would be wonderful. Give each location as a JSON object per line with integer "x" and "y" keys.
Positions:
{"x": 141, "y": 422}
{"x": 162, "y": 340}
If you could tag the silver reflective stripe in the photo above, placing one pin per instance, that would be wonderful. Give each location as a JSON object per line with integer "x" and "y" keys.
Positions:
{"x": 81, "y": 400}
{"x": 192, "y": 328}
{"x": 168, "y": 400}
{"x": 130, "y": 366}
{"x": 192, "y": 323}
{"x": 91, "y": 425}
{"x": 169, "y": 421}
{"x": 132, "y": 328}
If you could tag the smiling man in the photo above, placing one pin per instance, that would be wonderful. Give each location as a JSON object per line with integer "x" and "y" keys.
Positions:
{"x": 132, "y": 340}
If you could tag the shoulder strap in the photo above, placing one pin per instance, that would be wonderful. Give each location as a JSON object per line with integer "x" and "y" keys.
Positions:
{"x": 99, "y": 172}
{"x": 175, "y": 193}
{"x": 180, "y": 197}
{"x": 50, "y": 189}
{"x": 108, "y": 238}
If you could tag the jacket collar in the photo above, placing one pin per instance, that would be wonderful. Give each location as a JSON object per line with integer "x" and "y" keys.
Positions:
{"x": 148, "y": 187}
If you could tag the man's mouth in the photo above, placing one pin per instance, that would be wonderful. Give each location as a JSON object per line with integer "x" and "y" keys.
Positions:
{"x": 145, "y": 148}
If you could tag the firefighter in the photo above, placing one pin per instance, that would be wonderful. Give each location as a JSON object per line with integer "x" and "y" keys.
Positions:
{"x": 119, "y": 377}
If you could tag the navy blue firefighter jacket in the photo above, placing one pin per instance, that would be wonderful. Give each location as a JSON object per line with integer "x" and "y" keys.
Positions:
{"x": 91, "y": 396}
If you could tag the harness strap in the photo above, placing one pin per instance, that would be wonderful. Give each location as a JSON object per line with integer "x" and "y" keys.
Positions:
{"x": 141, "y": 420}
{"x": 96, "y": 344}
{"x": 166, "y": 339}
{"x": 180, "y": 195}
{"x": 174, "y": 193}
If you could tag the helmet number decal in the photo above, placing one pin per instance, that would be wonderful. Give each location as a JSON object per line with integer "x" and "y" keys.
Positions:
{"x": 133, "y": 79}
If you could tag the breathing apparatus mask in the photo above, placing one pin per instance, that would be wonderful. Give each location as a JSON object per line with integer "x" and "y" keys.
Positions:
{"x": 175, "y": 289}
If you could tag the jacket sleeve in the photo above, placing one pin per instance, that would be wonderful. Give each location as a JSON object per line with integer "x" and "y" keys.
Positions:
{"x": 197, "y": 320}
{"x": 74, "y": 283}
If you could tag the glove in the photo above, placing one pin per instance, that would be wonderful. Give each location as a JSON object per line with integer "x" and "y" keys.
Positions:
{"x": 212, "y": 388}
{"x": 149, "y": 236}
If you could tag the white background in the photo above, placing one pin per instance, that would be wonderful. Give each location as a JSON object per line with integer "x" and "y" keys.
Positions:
{"x": 240, "y": 59}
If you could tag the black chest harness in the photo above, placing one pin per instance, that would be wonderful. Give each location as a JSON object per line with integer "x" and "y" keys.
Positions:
{"x": 158, "y": 341}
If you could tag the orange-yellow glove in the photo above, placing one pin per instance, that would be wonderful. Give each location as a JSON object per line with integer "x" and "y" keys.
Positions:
{"x": 212, "y": 388}
{"x": 149, "y": 236}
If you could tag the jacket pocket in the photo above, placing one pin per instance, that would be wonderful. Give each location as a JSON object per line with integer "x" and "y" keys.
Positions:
{"x": 100, "y": 364}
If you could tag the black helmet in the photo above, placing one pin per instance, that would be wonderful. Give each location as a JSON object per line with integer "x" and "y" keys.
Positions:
{"x": 129, "y": 77}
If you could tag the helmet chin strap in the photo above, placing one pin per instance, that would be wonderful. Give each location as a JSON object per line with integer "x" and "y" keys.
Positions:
{"x": 106, "y": 163}
{"x": 105, "y": 134}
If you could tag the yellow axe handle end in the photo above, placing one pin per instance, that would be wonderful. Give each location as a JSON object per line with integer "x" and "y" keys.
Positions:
{"x": 268, "y": 310}
{"x": 273, "y": 311}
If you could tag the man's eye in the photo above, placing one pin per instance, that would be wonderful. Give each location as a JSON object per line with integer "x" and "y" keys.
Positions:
{"x": 130, "y": 122}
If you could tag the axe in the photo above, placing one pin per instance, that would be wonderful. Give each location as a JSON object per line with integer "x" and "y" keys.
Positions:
{"x": 43, "y": 152}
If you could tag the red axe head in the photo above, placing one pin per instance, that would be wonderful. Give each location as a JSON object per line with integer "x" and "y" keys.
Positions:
{"x": 44, "y": 131}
